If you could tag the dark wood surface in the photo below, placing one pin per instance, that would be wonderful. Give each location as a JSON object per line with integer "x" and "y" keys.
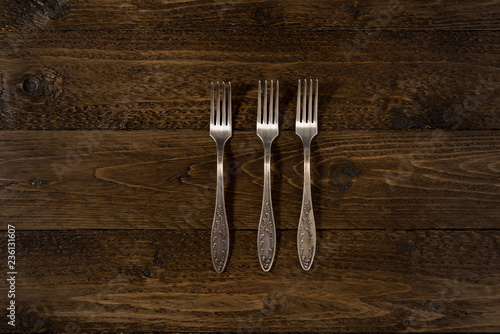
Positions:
{"x": 160, "y": 280}
{"x": 166, "y": 180}
{"x": 147, "y": 64}
{"x": 113, "y": 223}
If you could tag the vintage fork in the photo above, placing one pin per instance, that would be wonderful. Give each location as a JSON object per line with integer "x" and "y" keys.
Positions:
{"x": 306, "y": 127}
{"x": 220, "y": 131}
{"x": 267, "y": 130}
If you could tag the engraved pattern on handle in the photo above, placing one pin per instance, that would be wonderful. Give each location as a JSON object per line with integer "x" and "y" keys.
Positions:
{"x": 306, "y": 235}
{"x": 267, "y": 229}
{"x": 220, "y": 230}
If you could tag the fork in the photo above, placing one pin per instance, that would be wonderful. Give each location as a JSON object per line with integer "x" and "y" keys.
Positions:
{"x": 267, "y": 130}
{"x": 306, "y": 127}
{"x": 220, "y": 131}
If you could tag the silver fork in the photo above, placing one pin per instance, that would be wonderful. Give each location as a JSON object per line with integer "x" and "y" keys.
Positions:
{"x": 220, "y": 131}
{"x": 306, "y": 127}
{"x": 267, "y": 130}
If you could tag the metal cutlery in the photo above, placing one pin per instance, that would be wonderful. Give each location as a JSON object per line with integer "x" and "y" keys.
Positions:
{"x": 306, "y": 127}
{"x": 267, "y": 130}
{"x": 220, "y": 131}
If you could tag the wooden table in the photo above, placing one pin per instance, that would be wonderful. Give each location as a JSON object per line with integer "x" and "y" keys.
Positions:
{"x": 107, "y": 171}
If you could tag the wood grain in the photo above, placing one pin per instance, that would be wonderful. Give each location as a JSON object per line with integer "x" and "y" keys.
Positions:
{"x": 257, "y": 16}
{"x": 166, "y": 180}
{"x": 113, "y": 226}
{"x": 147, "y": 64}
{"x": 175, "y": 94}
{"x": 93, "y": 281}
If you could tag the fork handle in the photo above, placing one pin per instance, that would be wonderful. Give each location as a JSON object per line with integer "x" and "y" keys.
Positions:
{"x": 266, "y": 237}
{"x": 306, "y": 234}
{"x": 219, "y": 238}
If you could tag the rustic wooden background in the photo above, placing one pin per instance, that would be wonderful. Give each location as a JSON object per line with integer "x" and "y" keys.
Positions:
{"x": 113, "y": 201}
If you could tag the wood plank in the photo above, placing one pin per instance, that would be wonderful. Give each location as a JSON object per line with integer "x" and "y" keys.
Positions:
{"x": 166, "y": 180}
{"x": 122, "y": 281}
{"x": 288, "y": 47}
{"x": 65, "y": 93}
{"x": 382, "y": 65}
{"x": 256, "y": 16}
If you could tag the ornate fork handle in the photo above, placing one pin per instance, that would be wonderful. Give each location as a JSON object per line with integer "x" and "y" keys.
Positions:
{"x": 219, "y": 239}
{"x": 267, "y": 229}
{"x": 306, "y": 236}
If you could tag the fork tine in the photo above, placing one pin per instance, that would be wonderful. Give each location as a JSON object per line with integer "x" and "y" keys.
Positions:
{"x": 229, "y": 107}
{"x": 304, "y": 104}
{"x": 264, "y": 121}
{"x": 309, "y": 110}
{"x": 316, "y": 103}
{"x": 224, "y": 114}
{"x": 259, "y": 106}
{"x": 217, "y": 114}
{"x": 271, "y": 99}
{"x": 276, "y": 109}
{"x": 212, "y": 116}
{"x": 297, "y": 117}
